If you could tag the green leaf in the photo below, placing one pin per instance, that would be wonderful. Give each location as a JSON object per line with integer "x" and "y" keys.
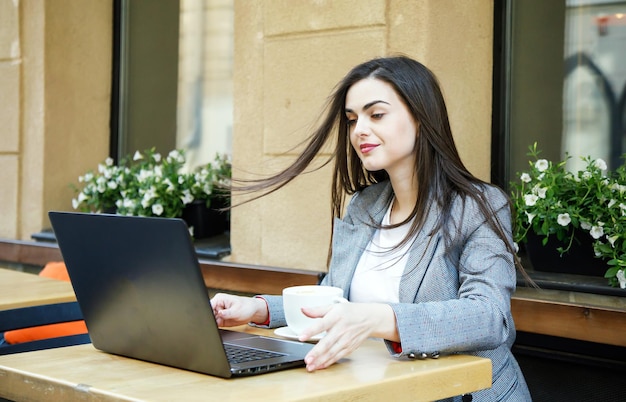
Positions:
{"x": 611, "y": 272}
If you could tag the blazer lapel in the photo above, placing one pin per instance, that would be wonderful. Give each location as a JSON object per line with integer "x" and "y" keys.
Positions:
{"x": 420, "y": 257}
{"x": 350, "y": 239}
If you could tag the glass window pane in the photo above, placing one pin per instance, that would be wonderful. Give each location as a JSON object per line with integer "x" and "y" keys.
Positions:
{"x": 567, "y": 80}
{"x": 205, "y": 87}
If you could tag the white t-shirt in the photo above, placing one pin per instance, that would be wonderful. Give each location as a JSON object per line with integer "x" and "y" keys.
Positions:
{"x": 378, "y": 273}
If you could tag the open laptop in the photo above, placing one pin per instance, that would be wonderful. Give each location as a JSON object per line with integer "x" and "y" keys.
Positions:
{"x": 139, "y": 286}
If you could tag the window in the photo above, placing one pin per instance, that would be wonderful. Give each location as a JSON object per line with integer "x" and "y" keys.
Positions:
{"x": 560, "y": 74}
{"x": 172, "y": 81}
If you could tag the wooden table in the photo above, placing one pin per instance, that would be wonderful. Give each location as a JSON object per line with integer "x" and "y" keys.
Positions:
{"x": 19, "y": 289}
{"x": 369, "y": 374}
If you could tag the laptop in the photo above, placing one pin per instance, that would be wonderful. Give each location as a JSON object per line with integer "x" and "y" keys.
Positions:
{"x": 139, "y": 286}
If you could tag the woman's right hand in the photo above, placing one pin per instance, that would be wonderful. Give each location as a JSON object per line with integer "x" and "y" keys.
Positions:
{"x": 231, "y": 310}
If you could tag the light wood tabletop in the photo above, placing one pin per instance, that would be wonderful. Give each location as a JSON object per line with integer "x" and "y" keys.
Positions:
{"x": 20, "y": 289}
{"x": 369, "y": 374}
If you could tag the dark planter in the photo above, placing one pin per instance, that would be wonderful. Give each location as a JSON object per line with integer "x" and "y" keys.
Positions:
{"x": 206, "y": 222}
{"x": 580, "y": 259}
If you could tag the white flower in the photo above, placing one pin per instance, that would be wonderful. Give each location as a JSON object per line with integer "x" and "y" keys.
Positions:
{"x": 530, "y": 217}
{"x": 618, "y": 187}
{"x": 148, "y": 195}
{"x": 530, "y": 199}
{"x": 525, "y": 177}
{"x": 516, "y": 247}
{"x": 541, "y": 165}
{"x": 170, "y": 185}
{"x": 112, "y": 184}
{"x": 611, "y": 203}
{"x": 585, "y": 225}
{"x": 621, "y": 277}
{"x": 586, "y": 175}
{"x": 596, "y": 232}
{"x": 612, "y": 240}
{"x": 108, "y": 172}
{"x": 75, "y": 203}
{"x": 541, "y": 192}
{"x": 187, "y": 197}
{"x": 157, "y": 157}
{"x": 144, "y": 175}
{"x": 101, "y": 184}
{"x": 600, "y": 164}
{"x": 157, "y": 209}
{"x": 563, "y": 219}
{"x": 108, "y": 161}
{"x": 176, "y": 156}
{"x": 137, "y": 156}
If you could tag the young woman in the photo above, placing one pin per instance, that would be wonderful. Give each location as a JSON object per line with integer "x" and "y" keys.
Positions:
{"x": 423, "y": 252}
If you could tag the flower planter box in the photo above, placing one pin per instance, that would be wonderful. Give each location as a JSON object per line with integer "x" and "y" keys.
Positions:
{"x": 580, "y": 259}
{"x": 206, "y": 222}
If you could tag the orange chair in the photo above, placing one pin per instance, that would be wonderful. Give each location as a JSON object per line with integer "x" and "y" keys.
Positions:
{"x": 63, "y": 321}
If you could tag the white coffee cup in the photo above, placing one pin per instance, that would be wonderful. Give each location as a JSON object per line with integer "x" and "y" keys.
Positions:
{"x": 297, "y": 297}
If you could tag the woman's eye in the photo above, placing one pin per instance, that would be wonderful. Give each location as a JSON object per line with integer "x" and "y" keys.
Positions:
{"x": 351, "y": 122}
{"x": 377, "y": 116}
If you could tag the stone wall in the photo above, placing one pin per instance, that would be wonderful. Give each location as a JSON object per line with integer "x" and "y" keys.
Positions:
{"x": 55, "y": 79}
{"x": 290, "y": 54}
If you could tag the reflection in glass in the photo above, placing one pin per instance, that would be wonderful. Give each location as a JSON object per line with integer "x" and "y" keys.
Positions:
{"x": 205, "y": 82}
{"x": 586, "y": 128}
{"x": 595, "y": 68}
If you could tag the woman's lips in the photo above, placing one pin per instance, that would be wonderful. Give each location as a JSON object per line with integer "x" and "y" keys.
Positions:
{"x": 365, "y": 148}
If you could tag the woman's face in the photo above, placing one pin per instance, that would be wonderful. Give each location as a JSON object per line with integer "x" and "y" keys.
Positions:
{"x": 381, "y": 129}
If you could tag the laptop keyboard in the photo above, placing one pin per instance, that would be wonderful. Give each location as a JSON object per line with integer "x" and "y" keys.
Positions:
{"x": 239, "y": 354}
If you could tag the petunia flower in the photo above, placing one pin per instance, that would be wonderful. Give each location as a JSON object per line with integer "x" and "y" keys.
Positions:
{"x": 563, "y": 219}
{"x": 600, "y": 164}
{"x": 541, "y": 165}
{"x": 596, "y": 232}
{"x": 157, "y": 209}
{"x": 530, "y": 199}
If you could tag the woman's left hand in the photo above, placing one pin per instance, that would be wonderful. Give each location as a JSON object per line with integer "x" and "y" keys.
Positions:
{"x": 347, "y": 325}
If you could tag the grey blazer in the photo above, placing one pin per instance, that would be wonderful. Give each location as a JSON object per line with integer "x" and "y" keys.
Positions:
{"x": 453, "y": 299}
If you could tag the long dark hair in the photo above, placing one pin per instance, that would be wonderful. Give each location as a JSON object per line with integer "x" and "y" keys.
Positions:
{"x": 440, "y": 173}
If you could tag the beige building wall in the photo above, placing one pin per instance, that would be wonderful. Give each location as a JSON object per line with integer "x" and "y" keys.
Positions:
{"x": 290, "y": 54}
{"x": 55, "y": 69}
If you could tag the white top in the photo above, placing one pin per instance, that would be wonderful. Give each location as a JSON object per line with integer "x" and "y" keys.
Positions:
{"x": 378, "y": 273}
